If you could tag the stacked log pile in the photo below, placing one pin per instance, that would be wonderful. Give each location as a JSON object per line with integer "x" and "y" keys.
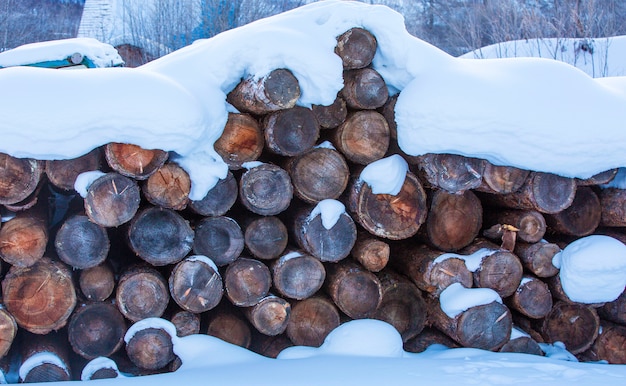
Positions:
{"x": 252, "y": 264}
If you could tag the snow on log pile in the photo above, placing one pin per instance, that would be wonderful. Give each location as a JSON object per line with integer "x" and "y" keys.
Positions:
{"x": 325, "y": 213}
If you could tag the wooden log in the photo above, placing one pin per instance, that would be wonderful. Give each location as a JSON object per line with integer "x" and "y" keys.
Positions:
{"x": 451, "y": 172}
{"x": 275, "y": 91}
{"x": 186, "y": 323}
{"x": 332, "y": 115}
{"x": 19, "y": 177}
{"x": 141, "y": 293}
{"x": 133, "y": 161}
{"x": 150, "y": 348}
{"x": 500, "y": 269}
{"x": 160, "y": 236}
{"x": 420, "y": 263}
{"x": 581, "y": 218}
{"x": 576, "y": 325}
{"x": 8, "y": 330}
{"x": 218, "y": 199}
{"x": 44, "y": 358}
{"x": 356, "y": 291}
{"x": 62, "y": 173}
{"x": 196, "y": 284}
{"x": 23, "y": 238}
{"x": 270, "y": 315}
{"x": 598, "y": 179}
{"x": 241, "y": 140}
{"x": 428, "y": 337}
{"x": 168, "y": 187}
{"x": 388, "y": 110}
{"x": 265, "y": 237}
{"x": 615, "y": 311}
{"x": 96, "y": 330}
{"x": 610, "y": 345}
{"x": 363, "y": 137}
{"x": 265, "y": 190}
{"x": 498, "y": 179}
{"x": 532, "y": 298}
{"x": 453, "y": 220}
{"x": 97, "y": 283}
{"x": 318, "y": 174}
{"x": 297, "y": 275}
{"x": 523, "y": 345}
{"x": 112, "y": 200}
{"x": 402, "y": 304}
{"x": 247, "y": 281}
{"x": 81, "y": 243}
{"x": 537, "y": 257}
{"x": 613, "y": 207}
{"x": 219, "y": 238}
{"x": 30, "y": 201}
{"x": 327, "y": 244}
{"x": 99, "y": 368}
{"x": 531, "y": 224}
{"x": 311, "y": 321}
{"x": 270, "y": 346}
{"x": 369, "y": 251}
{"x": 356, "y": 47}
{"x": 384, "y": 215}
{"x": 364, "y": 89}
{"x": 40, "y": 297}
{"x": 290, "y": 132}
{"x": 543, "y": 192}
{"x": 230, "y": 327}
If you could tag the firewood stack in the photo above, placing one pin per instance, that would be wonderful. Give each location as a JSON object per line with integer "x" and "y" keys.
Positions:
{"x": 250, "y": 264}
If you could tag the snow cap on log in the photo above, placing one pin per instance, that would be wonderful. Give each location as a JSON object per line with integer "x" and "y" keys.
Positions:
{"x": 456, "y": 298}
{"x": 386, "y": 175}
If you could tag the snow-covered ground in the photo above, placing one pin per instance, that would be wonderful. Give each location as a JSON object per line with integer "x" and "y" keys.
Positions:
{"x": 531, "y": 113}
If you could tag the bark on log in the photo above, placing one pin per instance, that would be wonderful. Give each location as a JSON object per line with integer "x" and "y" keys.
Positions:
{"x": 363, "y": 137}
{"x": 318, "y": 174}
{"x": 615, "y": 311}
{"x": 266, "y": 237}
{"x": 40, "y": 297}
{"x": 450, "y": 172}
{"x": 389, "y": 112}
{"x": 150, "y": 348}
{"x": 610, "y": 344}
{"x": 186, "y": 323}
{"x": 270, "y": 315}
{"x": 613, "y": 207}
{"x": 371, "y": 252}
{"x": 218, "y": 200}
{"x": 532, "y": 298}
{"x": 96, "y": 330}
{"x": 598, "y": 179}
{"x": 241, "y": 140}
{"x": 219, "y": 238}
{"x": 311, "y": 321}
{"x": 247, "y": 281}
{"x": 392, "y": 217}
{"x": 19, "y": 177}
{"x": 356, "y": 48}
{"x": 275, "y": 91}
{"x": 502, "y": 179}
{"x": 54, "y": 348}
{"x": 364, "y": 89}
{"x": 453, "y": 220}
{"x": 537, "y": 257}
{"x": 112, "y": 200}
{"x": 160, "y": 236}
{"x": 133, "y": 161}
{"x": 297, "y": 275}
{"x": 576, "y": 325}
{"x": 428, "y": 337}
{"x": 195, "y": 284}
{"x": 501, "y": 270}
{"x": 62, "y": 173}
{"x": 230, "y": 327}
{"x": 266, "y": 190}
{"x": 8, "y": 330}
{"x": 332, "y": 115}
{"x": 290, "y": 132}
{"x": 531, "y": 224}
{"x": 356, "y": 291}
{"x": 581, "y": 218}
{"x": 97, "y": 283}
{"x": 81, "y": 243}
{"x": 23, "y": 238}
{"x": 141, "y": 293}
{"x": 168, "y": 187}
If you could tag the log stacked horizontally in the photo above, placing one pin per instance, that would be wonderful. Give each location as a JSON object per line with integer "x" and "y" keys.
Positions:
{"x": 252, "y": 264}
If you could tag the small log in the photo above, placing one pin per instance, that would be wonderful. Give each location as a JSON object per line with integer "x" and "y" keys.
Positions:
{"x": 196, "y": 284}
{"x": 614, "y": 311}
{"x": 99, "y": 368}
{"x": 186, "y": 323}
{"x": 112, "y": 200}
{"x": 133, "y": 161}
{"x": 81, "y": 243}
{"x": 97, "y": 283}
{"x": 531, "y": 224}
{"x": 168, "y": 187}
{"x": 41, "y": 297}
{"x": 150, "y": 348}
{"x": 613, "y": 207}
{"x": 44, "y": 358}
{"x": 8, "y": 330}
{"x": 372, "y": 253}
{"x": 30, "y": 201}
{"x": 402, "y": 304}
{"x": 247, "y": 281}
{"x": 270, "y": 315}
{"x": 364, "y": 89}
{"x": 332, "y": 115}
{"x": 501, "y": 270}
{"x": 229, "y": 327}
{"x": 598, "y": 179}
{"x": 610, "y": 345}
{"x": 218, "y": 199}
{"x": 141, "y": 293}
{"x": 454, "y": 220}
{"x": 270, "y": 346}
{"x": 532, "y": 298}
{"x": 356, "y": 291}
{"x": 241, "y": 140}
{"x": 581, "y": 218}
{"x": 451, "y": 172}
{"x": 266, "y": 237}
{"x": 266, "y": 190}
{"x": 275, "y": 91}
{"x": 19, "y": 177}
{"x": 311, "y": 321}
{"x": 389, "y": 112}
{"x": 363, "y": 137}
{"x": 428, "y": 337}
{"x": 431, "y": 275}
{"x": 160, "y": 236}
{"x": 297, "y": 275}
{"x": 576, "y": 325}
{"x": 23, "y": 238}
{"x": 219, "y": 238}
{"x": 537, "y": 257}
{"x": 523, "y": 345}
{"x": 96, "y": 330}
{"x": 356, "y": 47}
{"x": 384, "y": 215}
{"x": 318, "y": 174}
{"x": 499, "y": 179}
{"x": 62, "y": 173}
{"x": 290, "y": 132}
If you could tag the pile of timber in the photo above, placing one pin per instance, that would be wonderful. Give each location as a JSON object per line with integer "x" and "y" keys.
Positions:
{"x": 251, "y": 264}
